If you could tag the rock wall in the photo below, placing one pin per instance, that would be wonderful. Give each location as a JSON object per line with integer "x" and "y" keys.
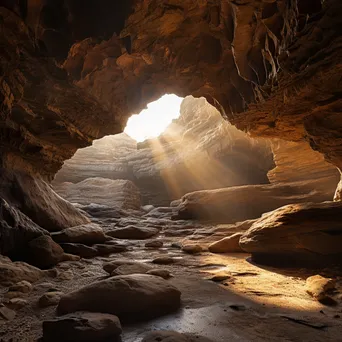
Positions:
{"x": 298, "y": 162}
{"x": 272, "y": 68}
{"x": 199, "y": 150}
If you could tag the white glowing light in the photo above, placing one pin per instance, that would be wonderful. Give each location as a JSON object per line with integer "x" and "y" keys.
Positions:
{"x": 152, "y": 121}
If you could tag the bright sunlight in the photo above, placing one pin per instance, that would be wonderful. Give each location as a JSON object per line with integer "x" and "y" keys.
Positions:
{"x": 152, "y": 121}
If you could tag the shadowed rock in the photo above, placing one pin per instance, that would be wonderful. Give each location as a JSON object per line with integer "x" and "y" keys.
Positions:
{"x": 306, "y": 232}
{"x": 130, "y": 297}
{"x": 83, "y": 326}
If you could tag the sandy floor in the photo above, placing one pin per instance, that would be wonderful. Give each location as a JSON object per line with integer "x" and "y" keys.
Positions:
{"x": 254, "y": 303}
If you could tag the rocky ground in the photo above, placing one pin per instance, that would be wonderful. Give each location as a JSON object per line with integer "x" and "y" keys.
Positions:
{"x": 224, "y": 297}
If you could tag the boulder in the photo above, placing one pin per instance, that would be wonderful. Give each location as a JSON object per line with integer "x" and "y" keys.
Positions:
{"x": 35, "y": 198}
{"x": 87, "y": 234}
{"x": 14, "y": 272}
{"x": 83, "y": 327}
{"x": 130, "y": 297}
{"x": 133, "y": 232}
{"x": 43, "y": 252}
{"x": 79, "y": 249}
{"x": 240, "y": 203}
{"x": 318, "y": 287}
{"x": 297, "y": 233}
{"x": 229, "y": 244}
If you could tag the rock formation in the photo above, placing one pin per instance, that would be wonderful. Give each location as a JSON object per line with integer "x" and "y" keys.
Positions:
{"x": 199, "y": 150}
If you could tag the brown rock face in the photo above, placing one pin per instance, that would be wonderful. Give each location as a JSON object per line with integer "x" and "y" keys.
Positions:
{"x": 299, "y": 232}
{"x": 272, "y": 68}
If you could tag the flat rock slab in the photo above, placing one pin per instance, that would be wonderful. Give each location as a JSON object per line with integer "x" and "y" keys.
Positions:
{"x": 229, "y": 244}
{"x": 173, "y": 336}
{"x": 130, "y": 297}
{"x": 85, "y": 326}
{"x": 87, "y": 234}
{"x": 133, "y": 232}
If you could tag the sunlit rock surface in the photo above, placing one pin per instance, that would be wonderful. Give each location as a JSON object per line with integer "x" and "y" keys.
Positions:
{"x": 121, "y": 194}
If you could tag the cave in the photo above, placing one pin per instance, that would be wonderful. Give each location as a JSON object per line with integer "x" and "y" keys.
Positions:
{"x": 222, "y": 225}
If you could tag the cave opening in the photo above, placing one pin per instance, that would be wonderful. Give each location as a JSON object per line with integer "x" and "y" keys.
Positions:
{"x": 152, "y": 121}
{"x": 213, "y": 207}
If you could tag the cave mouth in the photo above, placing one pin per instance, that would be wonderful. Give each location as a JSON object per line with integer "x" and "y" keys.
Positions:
{"x": 153, "y": 120}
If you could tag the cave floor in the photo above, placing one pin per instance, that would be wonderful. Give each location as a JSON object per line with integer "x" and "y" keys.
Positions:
{"x": 253, "y": 303}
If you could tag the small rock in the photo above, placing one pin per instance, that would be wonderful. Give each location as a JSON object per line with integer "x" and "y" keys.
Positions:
{"x": 160, "y": 273}
{"x": 14, "y": 272}
{"x": 112, "y": 266}
{"x": 70, "y": 257}
{"x": 318, "y": 287}
{"x": 6, "y": 313}
{"x": 83, "y": 327}
{"x": 163, "y": 260}
{"x": 177, "y": 245}
{"x": 220, "y": 276}
{"x": 133, "y": 232}
{"x": 67, "y": 275}
{"x": 154, "y": 244}
{"x": 104, "y": 249}
{"x": 192, "y": 249}
{"x": 79, "y": 249}
{"x": 228, "y": 244}
{"x": 49, "y": 299}
{"x": 87, "y": 234}
{"x": 22, "y": 286}
{"x": 13, "y": 294}
{"x": 17, "y": 303}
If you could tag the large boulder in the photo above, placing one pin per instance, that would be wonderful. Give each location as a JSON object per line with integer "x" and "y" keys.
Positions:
{"x": 85, "y": 327}
{"x": 87, "y": 234}
{"x": 241, "y": 203}
{"x": 131, "y": 297}
{"x": 16, "y": 230}
{"x": 301, "y": 233}
{"x": 37, "y": 200}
